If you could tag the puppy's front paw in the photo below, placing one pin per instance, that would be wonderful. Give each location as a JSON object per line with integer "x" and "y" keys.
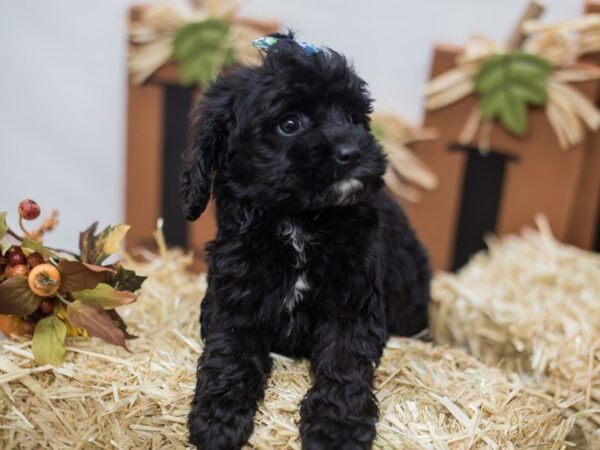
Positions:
{"x": 221, "y": 429}
{"x": 334, "y": 418}
{"x": 325, "y": 433}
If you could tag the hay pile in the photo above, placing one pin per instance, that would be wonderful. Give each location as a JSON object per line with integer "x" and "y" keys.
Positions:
{"x": 104, "y": 397}
{"x": 531, "y": 305}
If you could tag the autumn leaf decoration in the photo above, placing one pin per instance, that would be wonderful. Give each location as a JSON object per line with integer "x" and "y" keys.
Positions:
{"x": 202, "y": 40}
{"x": 507, "y": 83}
{"x": 52, "y": 294}
{"x": 202, "y": 50}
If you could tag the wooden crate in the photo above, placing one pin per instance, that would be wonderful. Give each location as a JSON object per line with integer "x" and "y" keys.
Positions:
{"x": 502, "y": 191}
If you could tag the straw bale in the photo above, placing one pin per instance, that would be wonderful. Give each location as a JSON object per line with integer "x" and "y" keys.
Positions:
{"x": 530, "y": 305}
{"x": 103, "y": 397}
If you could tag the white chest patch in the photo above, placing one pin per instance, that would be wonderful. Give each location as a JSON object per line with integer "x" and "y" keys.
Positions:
{"x": 296, "y": 294}
{"x": 297, "y": 238}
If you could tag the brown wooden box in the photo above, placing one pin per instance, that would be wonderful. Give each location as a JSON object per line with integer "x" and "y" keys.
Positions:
{"x": 502, "y": 191}
{"x": 585, "y": 223}
{"x": 157, "y": 134}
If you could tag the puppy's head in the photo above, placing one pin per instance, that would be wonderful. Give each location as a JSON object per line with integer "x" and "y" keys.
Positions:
{"x": 290, "y": 134}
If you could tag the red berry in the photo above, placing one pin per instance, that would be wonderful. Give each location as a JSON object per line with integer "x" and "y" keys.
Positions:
{"x": 35, "y": 259}
{"x": 29, "y": 210}
{"x": 18, "y": 270}
{"x": 17, "y": 258}
{"x": 47, "y": 306}
{"x": 12, "y": 250}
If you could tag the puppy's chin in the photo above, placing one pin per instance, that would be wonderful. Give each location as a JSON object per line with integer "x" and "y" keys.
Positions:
{"x": 347, "y": 191}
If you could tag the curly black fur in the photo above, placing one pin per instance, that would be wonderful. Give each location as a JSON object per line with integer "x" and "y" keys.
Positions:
{"x": 312, "y": 258}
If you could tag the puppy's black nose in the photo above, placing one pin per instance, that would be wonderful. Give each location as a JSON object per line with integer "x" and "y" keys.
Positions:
{"x": 348, "y": 155}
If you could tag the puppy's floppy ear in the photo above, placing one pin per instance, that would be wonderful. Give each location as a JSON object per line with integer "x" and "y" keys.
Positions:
{"x": 195, "y": 182}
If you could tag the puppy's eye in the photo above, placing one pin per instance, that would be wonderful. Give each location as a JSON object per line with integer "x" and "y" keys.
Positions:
{"x": 290, "y": 125}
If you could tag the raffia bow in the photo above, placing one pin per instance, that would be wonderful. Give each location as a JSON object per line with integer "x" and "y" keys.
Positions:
{"x": 577, "y": 37}
{"x": 566, "y": 108}
{"x": 152, "y": 36}
{"x": 405, "y": 171}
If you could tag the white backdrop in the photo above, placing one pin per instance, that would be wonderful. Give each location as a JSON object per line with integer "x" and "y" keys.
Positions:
{"x": 63, "y": 81}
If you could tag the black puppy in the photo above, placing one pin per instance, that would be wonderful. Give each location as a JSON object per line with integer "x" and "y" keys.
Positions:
{"x": 311, "y": 259}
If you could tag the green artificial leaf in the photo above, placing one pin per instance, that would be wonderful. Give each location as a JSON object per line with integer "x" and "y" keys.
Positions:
{"x": 507, "y": 83}
{"x": 96, "y": 322}
{"x": 3, "y": 224}
{"x": 96, "y": 248}
{"x": 125, "y": 279}
{"x": 202, "y": 50}
{"x": 109, "y": 242}
{"x": 48, "y": 342}
{"x": 77, "y": 276}
{"x": 105, "y": 296}
{"x": 87, "y": 246}
{"x": 16, "y": 297}
{"x": 111, "y": 238}
{"x": 37, "y": 246}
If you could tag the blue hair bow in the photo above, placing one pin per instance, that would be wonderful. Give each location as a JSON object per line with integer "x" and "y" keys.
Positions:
{"x": 266, "y": 42}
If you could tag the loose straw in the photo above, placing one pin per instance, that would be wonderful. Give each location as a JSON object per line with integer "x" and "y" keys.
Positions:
{"x": 104, "y": 397}
{"x": 531, "y": 305}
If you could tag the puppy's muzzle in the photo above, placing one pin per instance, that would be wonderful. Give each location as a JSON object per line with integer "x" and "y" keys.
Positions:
{"x": 347, "y": 155}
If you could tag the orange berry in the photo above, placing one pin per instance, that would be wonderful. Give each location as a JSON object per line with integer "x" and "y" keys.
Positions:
{"x": 19, "y": 269}
{"x": 44, "y": 280}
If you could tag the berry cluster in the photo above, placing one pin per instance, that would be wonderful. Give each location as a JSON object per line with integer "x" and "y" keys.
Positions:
{"x": 50, "y": 293}
{"x": 42, "y": 277}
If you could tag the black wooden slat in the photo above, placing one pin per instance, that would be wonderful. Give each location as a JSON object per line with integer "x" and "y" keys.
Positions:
{"x": 480, "y": 201}
{"x": 177, "y": 103}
